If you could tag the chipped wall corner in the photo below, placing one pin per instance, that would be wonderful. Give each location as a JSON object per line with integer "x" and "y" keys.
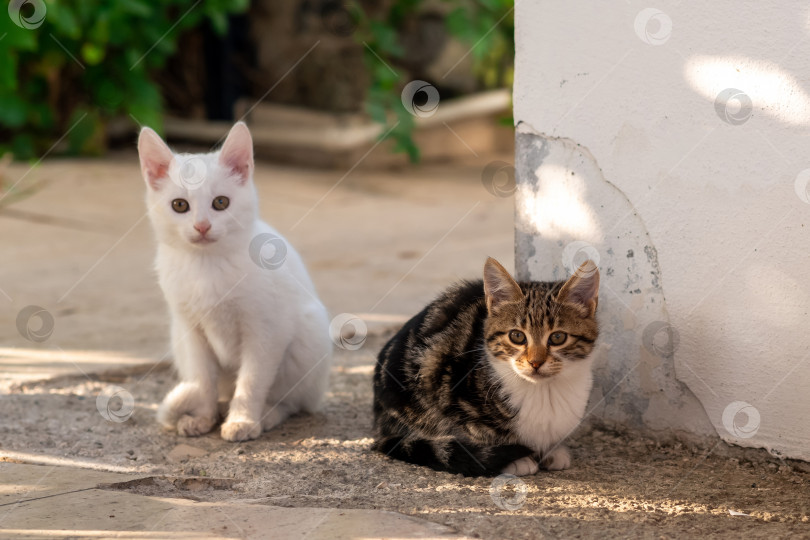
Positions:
{"x": 567, "y": 212}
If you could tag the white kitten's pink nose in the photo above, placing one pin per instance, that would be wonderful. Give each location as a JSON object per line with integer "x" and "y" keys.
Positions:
{"x": 202, "y": 227}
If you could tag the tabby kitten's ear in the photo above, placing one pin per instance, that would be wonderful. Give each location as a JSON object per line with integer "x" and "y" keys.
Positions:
{"x": 582, "y": 289}
{"x": 155, "y": 157}
{"x": 499, "y": 287}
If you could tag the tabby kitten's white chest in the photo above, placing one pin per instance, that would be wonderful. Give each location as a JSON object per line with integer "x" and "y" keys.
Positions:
{"x": 550, "y": 411}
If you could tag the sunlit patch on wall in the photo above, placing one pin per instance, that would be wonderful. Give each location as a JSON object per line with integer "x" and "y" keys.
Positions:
{"x": 771, "y": 89}
{"x": 558, "y": 208}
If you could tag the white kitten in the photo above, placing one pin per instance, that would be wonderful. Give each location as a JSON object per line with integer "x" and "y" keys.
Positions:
{"x": 247, "y": 326}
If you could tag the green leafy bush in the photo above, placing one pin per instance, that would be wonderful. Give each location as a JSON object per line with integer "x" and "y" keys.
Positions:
{"x": 487, "y": 26}
{"x": 66, "y": 68}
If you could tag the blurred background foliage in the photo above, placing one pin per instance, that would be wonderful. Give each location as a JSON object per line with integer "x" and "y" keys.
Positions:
{"x": 485, "y": 26}
{"x": 88, "y": 63}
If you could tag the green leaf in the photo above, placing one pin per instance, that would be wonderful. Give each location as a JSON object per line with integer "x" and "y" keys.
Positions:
{"x": 109, "y": 95}
{"x": 219, "y": 22}
{"x": 63, "y": 21}
{"x": 386, "y": 39}
{"x": 404, "y": 143}
{"x": 82, "y": 124}
{"x": 376, "y": 111}
{"x": 459, "y": 25}
{"x": 16, "y": 37}
{"x": 136, "y": 8}
{"x": 491, "y": 5}
{"x": 8, "y": 69}
{"x": 100, "y": 32}
{"x": 12, "y": 110}
{"x": 23, "y": 147}
{"x": 92, "y": 54}
{"x": 144, "y": 103}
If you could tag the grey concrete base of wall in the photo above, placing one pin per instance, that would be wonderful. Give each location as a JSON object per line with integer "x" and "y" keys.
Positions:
{"x": 567, "y": 212}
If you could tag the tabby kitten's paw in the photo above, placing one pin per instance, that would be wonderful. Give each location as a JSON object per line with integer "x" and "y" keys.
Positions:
{"x": 194, "y": 426}
{"x": 558, "y": 459}
{"x": 522, "y": 467}
{"x": 241, "y": 431}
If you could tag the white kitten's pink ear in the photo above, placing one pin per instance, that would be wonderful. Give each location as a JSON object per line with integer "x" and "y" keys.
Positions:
{"x": 499, "y": 287}
{"x": 237, "y": 152}
{"x": 582, "y": 288}
{"x": 155, "y": 158}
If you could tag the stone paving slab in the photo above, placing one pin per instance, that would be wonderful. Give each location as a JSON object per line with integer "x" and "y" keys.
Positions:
{"x": 22, "y": 482}
{"x": 54, "y": 502}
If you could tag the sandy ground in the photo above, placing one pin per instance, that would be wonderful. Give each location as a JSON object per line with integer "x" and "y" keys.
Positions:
{"x": 621, "y": 484}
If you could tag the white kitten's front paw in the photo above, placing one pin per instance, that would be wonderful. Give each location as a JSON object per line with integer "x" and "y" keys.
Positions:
{"x": 522, "y": 467}
{"x": 194, "y": 426}
{"x": 241, "y": 431}
{"x": 558, "y": 459}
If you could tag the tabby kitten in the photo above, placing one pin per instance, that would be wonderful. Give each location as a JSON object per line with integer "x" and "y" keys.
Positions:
{"x": 491, "y": 376}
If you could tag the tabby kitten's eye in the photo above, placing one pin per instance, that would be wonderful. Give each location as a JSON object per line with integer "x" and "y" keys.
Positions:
{"x": 557, "y": 338}
{"x": 517, "y": 337}
{"x": 221, "y": 203}
{"x": 180, "y": 206}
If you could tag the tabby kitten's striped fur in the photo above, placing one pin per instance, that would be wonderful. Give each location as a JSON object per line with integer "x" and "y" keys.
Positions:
{"x": 491, "y": 376}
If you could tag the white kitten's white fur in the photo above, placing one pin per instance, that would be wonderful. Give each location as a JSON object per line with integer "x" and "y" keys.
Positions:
{"x": 244, "y": 331}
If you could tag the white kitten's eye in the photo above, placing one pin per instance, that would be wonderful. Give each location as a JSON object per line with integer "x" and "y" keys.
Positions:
{"x": 221, "y": 203}
{"x": 180, "y": 206}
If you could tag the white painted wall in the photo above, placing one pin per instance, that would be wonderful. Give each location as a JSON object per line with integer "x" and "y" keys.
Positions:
{"x": 634, "y": 101}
